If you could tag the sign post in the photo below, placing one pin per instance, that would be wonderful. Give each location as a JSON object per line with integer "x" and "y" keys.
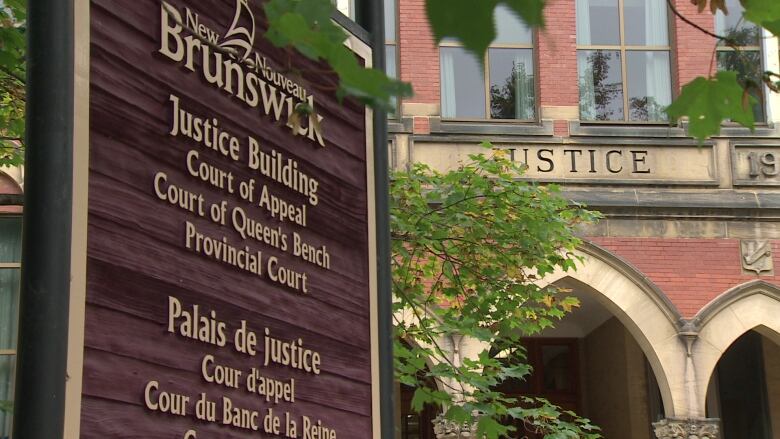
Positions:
{"x": 224, "y": 250}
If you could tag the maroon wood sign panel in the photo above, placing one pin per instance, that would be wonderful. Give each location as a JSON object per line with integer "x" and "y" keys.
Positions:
{"x": 229, "y": 238}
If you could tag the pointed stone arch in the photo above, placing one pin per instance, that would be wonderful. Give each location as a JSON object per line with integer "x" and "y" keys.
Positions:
{"x": 643, "y": 309}
{"x": 751, "y": 306}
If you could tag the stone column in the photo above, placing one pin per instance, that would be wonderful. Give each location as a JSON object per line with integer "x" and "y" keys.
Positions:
{"x": 687, "y": 429}
{"x": 445, "y": 429}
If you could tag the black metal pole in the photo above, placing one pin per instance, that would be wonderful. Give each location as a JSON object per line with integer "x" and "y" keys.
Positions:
{"x": 382, "y": 179}
{"x": 39, "y": 405}
{"x": 371, "y": 15}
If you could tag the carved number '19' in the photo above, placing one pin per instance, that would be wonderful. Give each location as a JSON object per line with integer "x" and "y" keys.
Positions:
{"x": 765, "y": 164}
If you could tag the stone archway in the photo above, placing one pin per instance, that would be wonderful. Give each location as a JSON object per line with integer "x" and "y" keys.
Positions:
{"x": 751, "y": 306}
{"x": 646, "y": 313}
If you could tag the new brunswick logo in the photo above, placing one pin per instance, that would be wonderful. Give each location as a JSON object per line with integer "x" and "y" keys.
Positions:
{"x": 239, "y": 37}
{"x": 231, "y": 63}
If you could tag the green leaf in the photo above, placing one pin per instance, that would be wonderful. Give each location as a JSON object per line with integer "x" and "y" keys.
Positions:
{"x": 490, "y": 428}
{"x": 457, "y": 413}
{"x": 530, "y": 11}
{"x": 472, "y": 22}
{"x": 306, "y": 26}
{"x": 765, "y": 13}
{"x": 707, "y": 102}
{"x": 420, "y": 398}
{"x": 469, "y": 21}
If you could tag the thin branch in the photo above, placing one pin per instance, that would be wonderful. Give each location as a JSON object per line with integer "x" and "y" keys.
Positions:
{"x": 674, "y": 10}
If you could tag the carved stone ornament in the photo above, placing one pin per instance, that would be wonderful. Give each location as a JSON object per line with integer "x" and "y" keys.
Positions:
{"x": 446, "y": 429}
{"x": 687, "y": 429}
{"x": 756, "y": 255}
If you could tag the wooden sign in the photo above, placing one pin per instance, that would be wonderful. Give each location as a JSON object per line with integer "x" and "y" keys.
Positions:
{"x": 228, "y": 241}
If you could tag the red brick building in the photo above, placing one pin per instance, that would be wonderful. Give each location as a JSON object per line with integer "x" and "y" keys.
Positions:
{"x": 680, "y": 322}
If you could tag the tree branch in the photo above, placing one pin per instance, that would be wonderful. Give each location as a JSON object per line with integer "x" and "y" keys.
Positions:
{"x": 727, "y": 40}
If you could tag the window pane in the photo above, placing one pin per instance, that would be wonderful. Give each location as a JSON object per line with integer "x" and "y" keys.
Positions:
{"x": 736, "y": 27}
{"x": 391, "y": 68}
{"x": 390, "y": 30}
{"x": 10, "y": 239}
{"x": 9, "y": 300}
{"x": 645, "y": 23}
{"x": 391, "y": 61}
{"x": 509, "y": 28}
{"x": 512, "y": 84}
{"x": 649, "y": 85}
{"x": 747, "y": 63}
{"x": 7, "y": 377}
{"x": 462, "y": 84}
{"x": 346, "y": 7}
{"x": 556, "y": 361}
{"x": 598, "y": 22}
{"x": 601, "y": 85}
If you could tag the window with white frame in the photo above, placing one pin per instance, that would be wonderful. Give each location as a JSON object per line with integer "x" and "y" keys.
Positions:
{"x": 744, "y": 56}
{"x": 503, "y": 87}
{"x": 623, "y": 62}
{"x": 346, "y": 7}
{"x": 10, "y": 267}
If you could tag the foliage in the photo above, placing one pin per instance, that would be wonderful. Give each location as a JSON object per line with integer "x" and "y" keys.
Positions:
{"x": 12, "y": 81}
{"x": 765, "y": 13}
{"x": 709, "y": 101}
{"x": 306, "y": 25}
{"x": 6, "y": 406}
{"x": 473, "y": 23}
{"x": 468, "y": 247}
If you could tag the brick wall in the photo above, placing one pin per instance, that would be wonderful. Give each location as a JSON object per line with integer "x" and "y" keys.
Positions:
{"x": 557, "y": 53}
{"x": 557, "y": 45}
{"x": 692, "y": 272}
{"x": 694, "y": 54}
{"x": 419, "y": 52}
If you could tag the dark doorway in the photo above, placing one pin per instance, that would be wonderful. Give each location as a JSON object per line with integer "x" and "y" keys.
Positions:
{"x": 415, "y": 425}
{"x": 737, "y": 393}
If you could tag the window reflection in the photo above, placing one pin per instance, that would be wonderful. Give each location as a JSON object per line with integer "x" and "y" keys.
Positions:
{"x": 509, "y": 28}
{"x": 623, "y": 60}
{"x": 601, "y": 84}
{"x": 649, "y": 85}
{"x": 512, "y": 94}
{"x": 598, "y": 22}
{"x": 391, "y": 48}
{"x": 646, "y": 23}
{"x": 746, "y": 58}
{"x": 391, "y": 69}
{"x": 747, "y": 64}
{"x": 502, "y": 86}
{"x": 462, "y": 89}
{"x": 734, "y": 26}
